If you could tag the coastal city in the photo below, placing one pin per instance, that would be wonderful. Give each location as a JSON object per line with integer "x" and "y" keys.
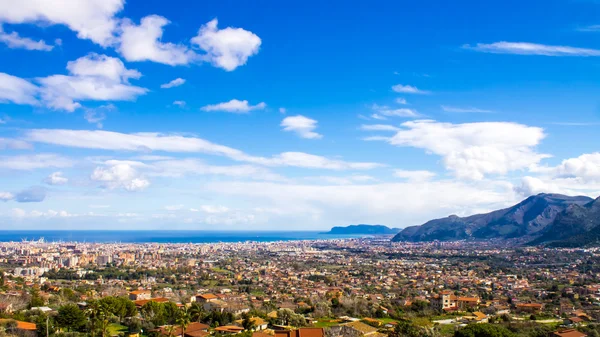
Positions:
{"x": 339, "y": 287}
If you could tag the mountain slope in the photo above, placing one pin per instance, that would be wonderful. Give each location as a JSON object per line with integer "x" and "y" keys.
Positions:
{"x": 577, "y": 225}
{"x": 530, "y": 217}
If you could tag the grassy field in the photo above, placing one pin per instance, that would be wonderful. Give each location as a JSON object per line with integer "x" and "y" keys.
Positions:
{"x": 325, "y": 323}
{"x": 115, "y": 329}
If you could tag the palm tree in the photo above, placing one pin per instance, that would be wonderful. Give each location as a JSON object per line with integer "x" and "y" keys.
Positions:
{"x": 170, "y": 330}
{"x": 196, "y": 312}
{"x": 184, "y": 321}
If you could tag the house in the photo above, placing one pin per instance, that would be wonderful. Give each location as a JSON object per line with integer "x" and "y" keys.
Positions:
{"x": 206, "y": 298}
{"x": 573, "y": 321}
{"x": 569, "y": 333}
{"x": 530, "y": 308}
{"x": 259, "y": 323}
{"x": 29, "y": 328}
{"x": 137, "y": 295}
{"x": 444, "y": 301}
{"x": 229, "y": 329}
{"x": 302, "y": 332}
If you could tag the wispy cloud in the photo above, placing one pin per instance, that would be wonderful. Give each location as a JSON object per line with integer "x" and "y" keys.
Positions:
{"x": 526, "y": 48}
{"x": 384, "y": 110}
{"x": 575, "y": 123}
{"x": 235, "y": 106}
{"x": 408, "y": 89}
{"x": 590, "y": 28}
{"x": 174, "y": 83}
{"x": 460, "y": 110}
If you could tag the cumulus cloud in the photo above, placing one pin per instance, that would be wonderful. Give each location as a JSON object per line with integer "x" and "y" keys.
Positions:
{"x": 107, "y": 140}
{"x": 143, "y": 43}
{"x": 6, "y": 196}
{"x": 180, "y": 104}
{"x": 93, "y": 77}
{"x": 226, "y": 48}
{"x": 401, "y": 100}
{"x": 174, "y": 83}
{"x": 408, "y": 89}
{"x": 526, "y": 48}
{"x": 302, "y": 126}
{"x": 235, "y": 106}
{"x": 14, "y": 41}
{"x": 120, "y": 175}
{"x": 473, "y": 150}
{"x": 91, "y": 19}
{"x": 56, "y": 178}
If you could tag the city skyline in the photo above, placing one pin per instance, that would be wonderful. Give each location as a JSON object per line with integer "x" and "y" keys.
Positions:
{"x": 231, "y": 116}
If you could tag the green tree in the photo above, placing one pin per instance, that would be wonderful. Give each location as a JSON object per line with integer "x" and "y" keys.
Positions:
{"x": 183, "y": 320}
{"x": 484, "y": 330}
{"x": 70, "y": 317}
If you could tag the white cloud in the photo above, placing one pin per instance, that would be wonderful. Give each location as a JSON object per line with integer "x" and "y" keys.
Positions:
{"x": 393, "y": 204}
{"x": 143, "y": 43}
{"x": 460, "y": 110}
{"x": 91, "y": 19}
{"x": 14, "y": 144}
{"x": 282, "y": 110}
{"x": 401, "y": 100}
{"x": 102, "y": 66}
{"x": 36, "y": 161}
{"x": 93, "y": 77}
{"x": 106, "y": 140}
{"x": 180, "y": 104}
{"x": 14, "y": 41}
{"x": 235, "y": 106}
{"x": 378, "y": 117}
{"x": 17, "y": 90}
{"x": 56, "y": 178}
{"x": 472, "y": 150}
{"x": 416, "y": 175}
{"x": 226, "y": 48}
{"x": 408, "y": 89}
{"x": 214, "y": 209}
{"x": 6, "y": 196}
{"x": 379, "y": 127}
{"x": 526, "y": 48}
{"x": 97, "y": 115}
{"x": 120, "y": 175}
{"x": 303, "y": 126}
{"x": 174, "y": 83}
{"x": 383, "y": 110}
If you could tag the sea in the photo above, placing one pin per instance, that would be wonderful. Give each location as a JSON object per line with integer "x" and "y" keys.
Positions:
{"x": 163, "y": 236}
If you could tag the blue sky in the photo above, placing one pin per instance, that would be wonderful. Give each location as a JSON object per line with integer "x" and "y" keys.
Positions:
{"x": 291, "y": 115}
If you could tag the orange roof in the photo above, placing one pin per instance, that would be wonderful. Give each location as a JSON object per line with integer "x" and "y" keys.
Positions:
{"x": 529, "y": 305}
{"x": 208, "y": 296}
{"x": 302, "y": 332}
{"x": 229, "y": 328}
{"x": 22, "y": 325}
{"x": 569, "y": 333}
{"x": 138, "y": 292}
{"x": 141, "y": 303}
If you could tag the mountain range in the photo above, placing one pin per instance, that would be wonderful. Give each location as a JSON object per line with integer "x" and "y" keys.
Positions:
{"x": 552, "y": 219}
